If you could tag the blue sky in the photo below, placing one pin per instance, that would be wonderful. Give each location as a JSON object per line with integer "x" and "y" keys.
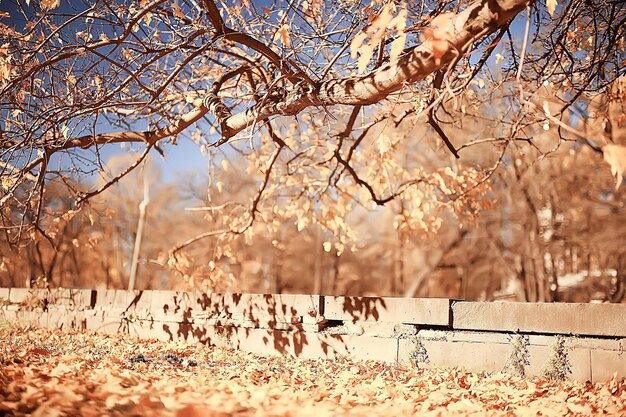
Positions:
{"x": 186, "y": 155}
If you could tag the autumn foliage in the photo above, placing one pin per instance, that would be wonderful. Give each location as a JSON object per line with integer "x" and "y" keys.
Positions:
{"x": 387, "y": 146}
{"x": 49, "y": 372}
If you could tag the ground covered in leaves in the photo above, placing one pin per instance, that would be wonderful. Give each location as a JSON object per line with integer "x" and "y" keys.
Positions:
{"x": 51, "y": 373}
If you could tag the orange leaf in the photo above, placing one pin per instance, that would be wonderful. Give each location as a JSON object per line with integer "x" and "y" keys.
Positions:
{"x": 177, "y": 12}
{"x": 50, "y": 4}
{"x": 283, "y": 35}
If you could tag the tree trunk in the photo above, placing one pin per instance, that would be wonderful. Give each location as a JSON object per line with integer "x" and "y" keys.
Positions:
{"x": 140, "y": 224}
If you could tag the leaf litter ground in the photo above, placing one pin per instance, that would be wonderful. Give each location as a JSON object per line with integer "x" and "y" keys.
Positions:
{"x": 52, "y": 373}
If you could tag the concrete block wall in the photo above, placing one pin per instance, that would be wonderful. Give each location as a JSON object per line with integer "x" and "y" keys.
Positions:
{"x": 582, "y": 341}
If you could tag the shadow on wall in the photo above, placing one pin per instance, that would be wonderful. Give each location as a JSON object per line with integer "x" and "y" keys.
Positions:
{"x": 280, "y": 324}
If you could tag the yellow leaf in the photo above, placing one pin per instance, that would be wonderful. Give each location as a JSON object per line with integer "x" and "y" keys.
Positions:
{"x": 384, "y": 144}
{"x": 397, "y": 46}
{"x": 615, "y": 155}
{"x": 327, "y": 246}
{"x": 366, "y": 54}
{"x": 355, "y": 44}
{"x": 399, "y": 23}
{"x": 551, "y": 6}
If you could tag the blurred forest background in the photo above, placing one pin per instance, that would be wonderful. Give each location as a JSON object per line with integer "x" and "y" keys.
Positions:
{"x": 553, "y": 230}
{"x": 463, "y": 149}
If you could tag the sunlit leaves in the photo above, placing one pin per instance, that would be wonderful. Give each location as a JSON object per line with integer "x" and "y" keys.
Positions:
{"x": 440, "y": 32}
{"x": 50, "y": 4}
{"x": 398, "y": 23}
{"x": 551, "y": 6}
{"x": 384, "y": 143}
{"x": 176, "y": 11}
{"x": 615, "y": 156}
{"x": 53, "y": 372}
{"x": 5, "y": 63}
{"x": 375, "y": 33}
{"x": 282, "y": 35}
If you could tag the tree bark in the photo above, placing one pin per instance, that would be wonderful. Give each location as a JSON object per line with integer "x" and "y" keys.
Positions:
{"x": 479, "y": 19}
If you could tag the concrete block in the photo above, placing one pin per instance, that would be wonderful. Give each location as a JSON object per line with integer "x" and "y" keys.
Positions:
{"x": 101, "y": 322}
{"x": 465, "y": 336}
{"x": 433, "y": 311}
{"x": 75, "y": 298}
{"x": 383, "y": 349}
{"x": 8, "y": 315}
{"x": 604, "y": 364}
{"x": 491, "y": 352}
{"x": 29, "y": 298}
{"x": 377, "y": 329}
{"x": 133, "y": 300}
{"x": 550, "y": 318}
{"x": 579, "y": 361}
{"x": 4, "y": 293}
{"x": 473, "y": 357}
{"x": 105, "y": 299}
{"x": 32, "y": 317}
{"x": 66, "y": 319}
{"x": 603, "y": 343}
{"x": 280, "y": 306}
{"x": 177, "y": 303}
{"x": 18, "y": 295}
{"x": 312, "y": 345}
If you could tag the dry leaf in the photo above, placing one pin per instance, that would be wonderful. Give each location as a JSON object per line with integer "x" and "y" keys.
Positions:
{"x": 551, "y": 6}
{"x": 150, "y": 377}
{"x": 439, "y": 34}
{"x": 50, "y": 4}
{"x": 615, "y": 155}
{"x": 283, "y": 35}
{"x": 376, "y": 31}
{"x": 176, "y": 11}
{"x": 399, "y": 24}
{"x": 384, "y": 144}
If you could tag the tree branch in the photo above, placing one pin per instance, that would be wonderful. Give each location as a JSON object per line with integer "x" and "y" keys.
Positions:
{"x": 480, "y": 18}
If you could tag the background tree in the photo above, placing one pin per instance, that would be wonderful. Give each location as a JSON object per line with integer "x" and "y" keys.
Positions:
{"x": 330, "y": 109}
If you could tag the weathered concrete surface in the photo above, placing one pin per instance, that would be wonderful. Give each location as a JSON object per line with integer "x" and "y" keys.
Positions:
{"x": 493, "y": 352}
{"x": 549, "y": 318}
{"x": 431, "y": 311}
{"x": 74, "y": 298}
{"x": 18, "y": 295}
{"x": 431, "y": 333}
{"x": 4, "y": 294}
{"x": 260, "y": 308}
{"x": 443, "y": 354}
{"x": 105, "y": 299}
{"x": 606, "y": 363}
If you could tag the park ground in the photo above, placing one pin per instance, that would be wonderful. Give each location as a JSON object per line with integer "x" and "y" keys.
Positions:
{"x": 53, "y": 373}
